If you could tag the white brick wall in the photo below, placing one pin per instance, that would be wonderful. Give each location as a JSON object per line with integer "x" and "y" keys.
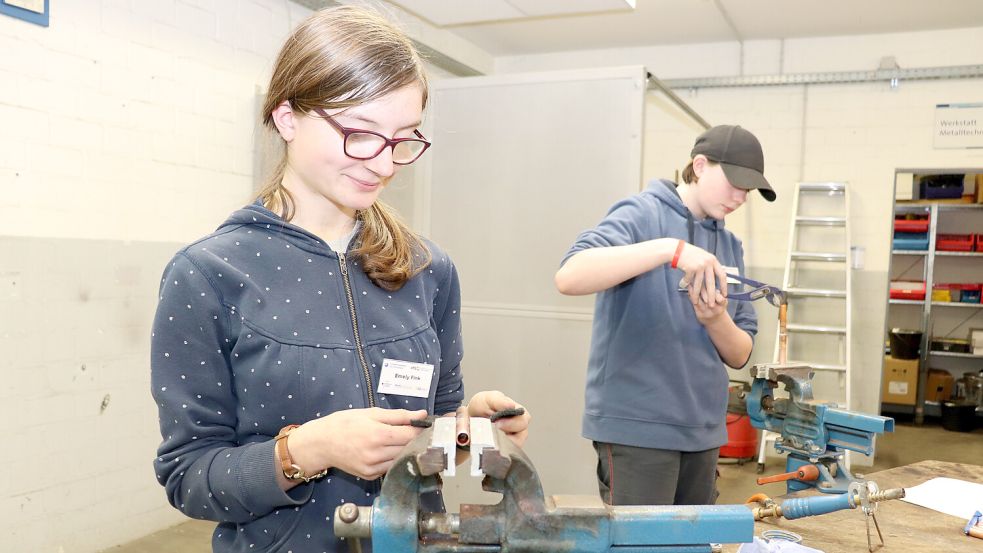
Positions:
{"x": 130, "y": 111}
{"x": 126, "y": 129}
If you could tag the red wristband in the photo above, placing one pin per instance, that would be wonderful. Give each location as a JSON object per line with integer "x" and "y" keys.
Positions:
{"x": 679, "y": 251}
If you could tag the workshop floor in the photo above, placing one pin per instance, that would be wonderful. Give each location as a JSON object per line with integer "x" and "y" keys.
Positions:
{"x": 907, "y": 444}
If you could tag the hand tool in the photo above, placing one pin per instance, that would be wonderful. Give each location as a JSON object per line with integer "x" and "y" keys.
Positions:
{"x": 973, "y": 527}
{"x": 775, "y": 295}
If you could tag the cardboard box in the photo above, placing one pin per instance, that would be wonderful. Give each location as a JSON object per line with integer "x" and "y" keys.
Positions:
{"x": 899, "y": 381}
{"x": 979, "y": 188}
{"x": 938, "y": 385}
{"x": 904, "y": 187}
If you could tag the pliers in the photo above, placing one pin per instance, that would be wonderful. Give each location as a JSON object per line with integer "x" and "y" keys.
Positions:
{"x": 776, "y": 296}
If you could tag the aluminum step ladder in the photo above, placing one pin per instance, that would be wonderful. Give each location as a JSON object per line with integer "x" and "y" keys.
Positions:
{"x": 819, "y": 238}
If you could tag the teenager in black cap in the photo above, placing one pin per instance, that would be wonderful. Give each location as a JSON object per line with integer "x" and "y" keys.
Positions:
{"x": 656, "y": 394}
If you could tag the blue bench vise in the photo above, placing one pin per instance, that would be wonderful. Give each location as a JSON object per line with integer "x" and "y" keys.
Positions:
{"x": 813, "y": 434}
{"x": 524, "y": 520}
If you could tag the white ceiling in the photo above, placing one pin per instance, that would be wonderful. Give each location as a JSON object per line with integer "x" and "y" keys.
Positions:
{"x": 659, "y": 22}
{"x": 443, "y": 12}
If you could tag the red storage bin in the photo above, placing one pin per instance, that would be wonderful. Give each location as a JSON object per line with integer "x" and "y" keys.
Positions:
{"x": 955, "y": 242}
{"x": 911, "y": 223}
{"x": 978, "y": 242}
{"x": 907, "y": 290}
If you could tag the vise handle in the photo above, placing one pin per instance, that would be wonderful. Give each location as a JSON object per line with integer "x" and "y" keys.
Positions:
{"x": 805, "y": 473}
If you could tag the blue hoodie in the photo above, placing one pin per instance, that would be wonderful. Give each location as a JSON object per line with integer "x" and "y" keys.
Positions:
{"x": 261, "y": 325}
{"x": 654, "y": 378}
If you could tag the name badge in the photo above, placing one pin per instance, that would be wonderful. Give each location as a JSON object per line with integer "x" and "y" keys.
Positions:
{"x": 405, "y": 378}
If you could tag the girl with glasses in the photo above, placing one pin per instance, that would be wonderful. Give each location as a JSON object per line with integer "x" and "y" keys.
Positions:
{"x": 293, "y": 346}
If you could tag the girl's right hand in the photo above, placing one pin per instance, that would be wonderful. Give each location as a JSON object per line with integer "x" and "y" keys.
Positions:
{"x": 361, "y": 442}
{"x": 703, "y": 273}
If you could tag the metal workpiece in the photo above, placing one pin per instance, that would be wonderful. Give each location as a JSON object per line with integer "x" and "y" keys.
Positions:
{"x": 783, "y": 331}
{"x": 797, "y": 377}
{"x": 462, "y": 426}
{"x": 525, "y": 520}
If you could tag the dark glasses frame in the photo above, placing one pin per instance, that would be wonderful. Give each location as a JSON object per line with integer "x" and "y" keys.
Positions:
{"x": 388, "y": 142}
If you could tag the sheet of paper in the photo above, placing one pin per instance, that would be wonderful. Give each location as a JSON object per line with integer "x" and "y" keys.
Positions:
{"x": 954, "y": 497}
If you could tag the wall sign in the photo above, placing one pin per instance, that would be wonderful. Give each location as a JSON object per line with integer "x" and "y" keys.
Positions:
{"x": 32, "y": 11}
{"x": 958, "y": 126}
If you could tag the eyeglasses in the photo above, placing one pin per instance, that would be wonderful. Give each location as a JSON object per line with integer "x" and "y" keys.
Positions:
{"x": 363, "y": 144}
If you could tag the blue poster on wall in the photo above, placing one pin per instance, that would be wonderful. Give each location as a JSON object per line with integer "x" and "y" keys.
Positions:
{"x": 32, "y": 11}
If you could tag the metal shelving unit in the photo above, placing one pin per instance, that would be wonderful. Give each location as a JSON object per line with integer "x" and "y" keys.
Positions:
{"x": 954, "y": 354}
{"x": 933, "y": 209}
{"x": 959, "y": 254}
{"x": 956, "y": 304}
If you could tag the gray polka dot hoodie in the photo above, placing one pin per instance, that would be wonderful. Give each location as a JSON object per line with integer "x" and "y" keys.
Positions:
{"x": 260, "y": 325}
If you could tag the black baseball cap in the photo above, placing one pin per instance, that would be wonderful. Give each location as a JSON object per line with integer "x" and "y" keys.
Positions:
{"x": 739, "y": 154}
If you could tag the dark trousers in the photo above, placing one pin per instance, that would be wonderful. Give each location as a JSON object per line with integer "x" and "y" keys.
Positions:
{"x": 629, "y": 475}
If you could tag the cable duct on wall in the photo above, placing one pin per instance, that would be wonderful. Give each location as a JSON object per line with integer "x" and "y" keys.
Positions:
{"x": 838, "y": 77}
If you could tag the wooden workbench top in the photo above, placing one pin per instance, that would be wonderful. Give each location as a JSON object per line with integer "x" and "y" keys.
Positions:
{"x": 907, "y": 528}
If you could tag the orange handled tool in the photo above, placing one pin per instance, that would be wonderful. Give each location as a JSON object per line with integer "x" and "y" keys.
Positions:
{"x": 805, "y": 473}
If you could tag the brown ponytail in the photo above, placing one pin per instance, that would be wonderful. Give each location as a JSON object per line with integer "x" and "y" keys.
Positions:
{"x": 390, "y": 252}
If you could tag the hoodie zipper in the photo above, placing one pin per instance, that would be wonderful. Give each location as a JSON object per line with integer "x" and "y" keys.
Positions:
{"x": 358, "y": 340}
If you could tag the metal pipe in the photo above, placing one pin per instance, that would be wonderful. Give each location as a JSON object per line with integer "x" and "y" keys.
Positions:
{"x": 654, "y": 82}
{"x": 783, "y": 333}
{"x": 463, "y": 427}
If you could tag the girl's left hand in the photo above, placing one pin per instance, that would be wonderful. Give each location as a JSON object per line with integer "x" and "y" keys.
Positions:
{"x": 708, "y": 314}
{"x": 487, "y": 403}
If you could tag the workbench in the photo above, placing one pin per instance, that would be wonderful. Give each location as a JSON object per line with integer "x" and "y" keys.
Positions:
{"x": 907, "y": 528}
